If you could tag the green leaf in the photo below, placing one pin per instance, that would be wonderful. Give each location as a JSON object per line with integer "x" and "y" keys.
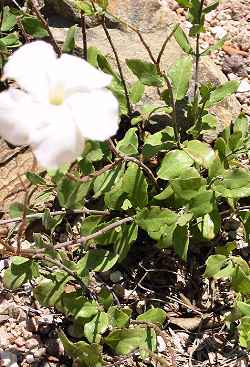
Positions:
{"x": 9, "y": 20}
{"x": 97, "y": 260}
{"x": 182, "y": 40}
{"x": 135, "y": 184}
{"x": 125, "y": 341}
{"x": 146, "y": 72}
{"x": 98, "y": 325}
{"x": 129, "y": 144}
{"x": 216, "y": 46}
{"x": 35, "y": 179}
{"x": 34, "y": 27}
{"x": 121, "y": 237}
{"x": 212, "y": 6}
{"x": 209, "y": 122}
{"x": 244, "y": 329}
{"x": 244, "y": 308}
{"x": 173, "y": 164}
{"x": 200, "y": 152}
{"x": 155, "y": 315}
{"x": 241, "y": 124}
{"x": 165, "y": 194}
{"x": 85, "y": 6}
{"x": 225, "y": 90}
{"x": 241, "y": 280}
{"x": 210, "y": 225}
{"x": 118, "y": 318}
{"x": 181, "y": 241}
{"x": 132, "y": 186}
{"x": 235, "y": 183}
{"x": 105, "y": 298}
{"x": 107, "y": 68}
{"x": 214, "y": 264}
{"x": 103, "y": 4}
{"x": 180, "y": 75}
{"x": 188, "y": 185}
{"x": 74, "y": 304}
{"x": 184, "y": 3}
{"x": 136, "y": 92}
{"x": 90, "y": 224}
{"x": 95, "y": 151}
{"x": 105, "y": 182}
{"x": 49, "y": 291}
{"x": 155, "y": 220}
{"x": 202, "y": 204}
{"x": 71, "y": 193}
{"x": 127, "y": 236}
{"x": 11, "y": 40}
{"x": 21, "y": 271}
{"x": 50, "y": 223}
{"x": 84, "y": 354}
{"x": 92, "y": 54}
{"x": 69, "y": 43}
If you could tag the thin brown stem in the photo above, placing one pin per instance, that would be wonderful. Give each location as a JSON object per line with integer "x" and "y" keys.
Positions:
{"x": 158, "y": 61}
{"x": 174, "y": 115}
{"x": 22, "y": 30}
{"x": 85, "y": 239}
{"x": 127, "y": 158}
{"x": 67, "y": 270}
{"x": 84, "y": 36}
{"x": 118, "y": 66}
{"x": 95, "y": 174}
{"x": 71, "y": 243}
{"x": 55, "y": 213}
{"x": 46, "y": 26}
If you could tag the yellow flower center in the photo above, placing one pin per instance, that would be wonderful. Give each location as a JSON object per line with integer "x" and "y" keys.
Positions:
{"x": 56, "y": 95}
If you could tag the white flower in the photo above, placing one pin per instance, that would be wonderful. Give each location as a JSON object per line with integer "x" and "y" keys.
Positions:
{"x": 61, "y": 102}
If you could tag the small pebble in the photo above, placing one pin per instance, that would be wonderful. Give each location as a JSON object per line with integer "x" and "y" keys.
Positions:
{"x": 30, "y": 358}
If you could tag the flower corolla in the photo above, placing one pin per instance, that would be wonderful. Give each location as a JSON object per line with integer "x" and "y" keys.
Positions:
{"x": 59, "y": 102}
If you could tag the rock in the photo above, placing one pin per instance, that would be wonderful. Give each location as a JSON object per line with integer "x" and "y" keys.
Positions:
{"x": 30, "y": 358}
{"x": 8, "y": 359}
{"x": 31, "y": 343}
{"x": 244, "y": 87}
{"x": 227, "y": 110}
{"x": 144, "y": 15}
{"x": 161, "y": 345}
{"x": 116, "y": 276}
{"x": 218, "y": 32}
{"x": 234, "y": 64}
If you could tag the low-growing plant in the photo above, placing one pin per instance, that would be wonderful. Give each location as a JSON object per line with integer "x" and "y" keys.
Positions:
{"x": 167, "y": 184}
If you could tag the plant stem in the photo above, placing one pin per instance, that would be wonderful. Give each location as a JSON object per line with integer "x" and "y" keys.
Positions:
{"x": 95, "y": 174}
{"x": 196, "y": 73}
{"x": 127, "y": 158}
{"x": 85, "y": 239}
{"x": 46, "y": 26}
{"x": 158, "y": 61}
{"x": 174, "y": 114}
{"x": 68, "y": 271}
{"x": 53, "y": 214}
{"x": 118, "y": 66}
{"x": 84, "y": 36}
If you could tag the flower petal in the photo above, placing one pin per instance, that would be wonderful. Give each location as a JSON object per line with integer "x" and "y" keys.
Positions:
{"x": 57, "y": 141}
{"x": 95, "y": 113}
{"x": 30, "y": 67}
{"x": 77, "y": 75}
{"x": 17, "y": 114}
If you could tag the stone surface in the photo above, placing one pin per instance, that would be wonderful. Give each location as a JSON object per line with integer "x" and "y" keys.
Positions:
{"x": 8, "y": 359}
{"x": 14, "y": 162}
{"x": 142, "y": 14}
{"x": 225, "y": 111}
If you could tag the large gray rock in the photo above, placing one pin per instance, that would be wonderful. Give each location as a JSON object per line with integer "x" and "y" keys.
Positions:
{"x": 129, "y": 46}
